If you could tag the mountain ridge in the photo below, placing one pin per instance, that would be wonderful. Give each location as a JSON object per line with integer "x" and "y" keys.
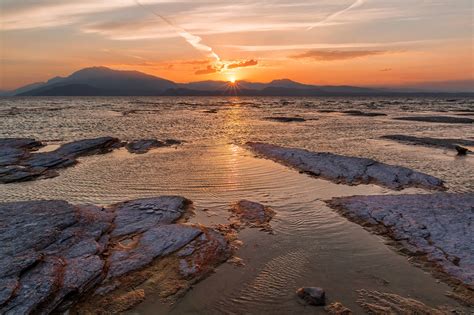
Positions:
{"x": 103, "y": 81}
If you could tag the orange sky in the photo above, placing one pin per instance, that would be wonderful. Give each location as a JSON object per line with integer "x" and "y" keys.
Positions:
{"x": 334, "y": 42}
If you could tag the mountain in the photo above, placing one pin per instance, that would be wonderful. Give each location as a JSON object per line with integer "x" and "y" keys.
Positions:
{"x": 102, "y": 81}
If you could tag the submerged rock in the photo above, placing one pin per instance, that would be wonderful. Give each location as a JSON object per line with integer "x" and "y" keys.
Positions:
{"x": 437, "y": 228}
{"x": 253, "y": 214}
{"x": 337, "y": 308}
{"x": 360, "y": 113}
{"x": 312, "y": 295}
{"x": 347, "y": 170}
{"x": 438, "y": 119}
{"x": 145, "y": 145}
{"x": 53, "y": 253}
{"x": 427, "y": 141}
{"x": 285, "y": 119}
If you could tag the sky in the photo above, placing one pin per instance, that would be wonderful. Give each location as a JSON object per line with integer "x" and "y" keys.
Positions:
{"x": 336, "y": 42}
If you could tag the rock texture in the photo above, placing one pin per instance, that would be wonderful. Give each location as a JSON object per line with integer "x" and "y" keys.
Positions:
{"x": 253, "y": 214}
{"x": 426, "y": 141}
{"x": 145, "y": 145}
{"x": 19, "y": 163}
{"x": 52, "y": 253}
{"x": 437, "y": 228}
{"x": 438, "y": 119}
{"x": 347, "y": 170}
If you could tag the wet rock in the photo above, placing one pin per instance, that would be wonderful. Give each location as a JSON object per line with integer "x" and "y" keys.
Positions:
{"x": 19, "y": 163}
{"x": 427, "y": 141}
{"x": 53, "y": 253}
{"x": 461, "y": 150}
{"x": 253, "y": 214}
{"x": 435, "y": 227}
{"x": 145, "y": 145}
{"x": 438, "y": 119}
{"x": 360, "y": 113}
{"x": 285, "y": 119}
{"x": 312, "y": 295}
{"x": 345, "y": 169}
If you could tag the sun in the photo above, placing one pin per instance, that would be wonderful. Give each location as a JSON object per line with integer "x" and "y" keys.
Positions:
{"x": 232, "y": 80}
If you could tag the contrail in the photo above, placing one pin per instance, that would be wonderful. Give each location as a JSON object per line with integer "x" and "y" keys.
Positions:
{"x": 356, "y": 4}
{"x": 193, "y": 40}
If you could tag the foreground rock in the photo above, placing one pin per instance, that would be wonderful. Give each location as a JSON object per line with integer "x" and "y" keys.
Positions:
{"x": 285, "y": 119}
{"x": 438, "y": 119}
{"x": 253, "y": 214}
{"x": 145, "y": 145}
{"x": 461, "y": 150}
{"x": 54, "y": 254}
{"x": 312, "y": 295}
{"x": 347, "y": 170}
{"x": 19, "y": 163}
{"x": 436, "y": 228}
{"x": 426, "y": 141}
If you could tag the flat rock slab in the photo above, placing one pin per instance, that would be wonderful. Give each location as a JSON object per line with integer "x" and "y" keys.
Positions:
{"x": 347, "y": 170}
{"x": 19, "y": 163}
{"x": 437, "y": 227}
{"x": 52, "y": 253}
{"x": 285, "y": 119}
{"x": 145, "y": 145}
{"x": 438, "y": 119}
{"x": 432, "y": 142}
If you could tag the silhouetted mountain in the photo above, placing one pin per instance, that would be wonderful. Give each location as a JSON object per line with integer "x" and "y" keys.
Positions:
{"x": 101, "y": 81}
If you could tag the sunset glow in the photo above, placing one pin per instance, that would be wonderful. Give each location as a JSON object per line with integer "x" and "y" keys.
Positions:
{"x": 369, "y": 43}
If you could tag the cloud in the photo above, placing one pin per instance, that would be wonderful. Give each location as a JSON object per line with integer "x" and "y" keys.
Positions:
{"x": 241, "y": 64}
{"x": 332, "y": 55}
{"x": 209, "y": 69}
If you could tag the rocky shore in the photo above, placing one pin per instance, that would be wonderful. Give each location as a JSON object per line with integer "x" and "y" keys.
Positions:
{"x": 19, "y": 162}
{"x": 434, "y": 228}
{"x": 345, "y": 169}
{"x": 57, "y": 256}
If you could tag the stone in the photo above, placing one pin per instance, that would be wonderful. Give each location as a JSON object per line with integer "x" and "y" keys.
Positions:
{"x": 337, "y": 308}
{"x": 432, "y": 142}
{"x": 461, "y": 150}
{"x": 430, "y": 227}
{"x": 360, "y": 113}
{"x": 19, "y": 163}
{"x": 345, "y": 169}
{"x": 253, "y": 213}
{"x": 438, "y": 119}
{"x": 312, "y": 295}
{"x": 145, "y": 145}
{"x": 54, "y": 254}
{"x": 285, "y": 119}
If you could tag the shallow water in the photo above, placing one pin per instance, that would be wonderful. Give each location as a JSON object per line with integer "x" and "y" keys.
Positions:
{"x": 312, "y": 245}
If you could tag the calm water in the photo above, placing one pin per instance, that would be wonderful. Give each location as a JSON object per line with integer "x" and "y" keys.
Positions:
{"x": 312, "y": 245}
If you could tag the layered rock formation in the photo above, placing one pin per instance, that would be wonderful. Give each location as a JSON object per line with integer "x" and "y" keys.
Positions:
{"x": 54, "y": 253}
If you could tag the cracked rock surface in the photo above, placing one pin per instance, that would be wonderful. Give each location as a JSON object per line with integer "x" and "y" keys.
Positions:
{"x": 345, "y": 169}
{"x": 437, "y": 227}
{"x": 52, "y": 253}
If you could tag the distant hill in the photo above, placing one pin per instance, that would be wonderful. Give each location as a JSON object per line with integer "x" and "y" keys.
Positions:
{"x": 102, "y": 81}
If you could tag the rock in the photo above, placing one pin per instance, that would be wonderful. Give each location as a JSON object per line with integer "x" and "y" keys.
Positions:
{"x": 438, "y": 119}
{"x": 312, "y": 295}
{"x": 435, "y": 142}
{"x": 53, "y": 254}
{"x": 461, "y": 150}
{"x": 285, "y": 119}
{"x": 253, "y": 214}
{"x": 347, "y": 170}
{"x": 435, "y": 227}
{"x": 19, "y": 163}
{"x": 360, "y": 113}
{"x": 337, "y": 308}
{"x": 145, "y": 145}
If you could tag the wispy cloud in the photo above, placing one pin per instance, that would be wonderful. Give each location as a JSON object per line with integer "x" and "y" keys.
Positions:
{"x": 242, "y": 64}
{"x": 332, "y": 55}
